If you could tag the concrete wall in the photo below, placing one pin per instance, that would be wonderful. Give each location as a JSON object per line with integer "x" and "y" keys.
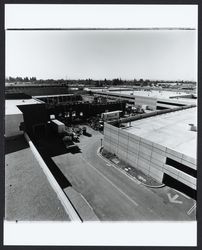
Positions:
{"x": 149, "y": 101}
{"x": 12, "y": 123}
{"x": 148, "y": 156}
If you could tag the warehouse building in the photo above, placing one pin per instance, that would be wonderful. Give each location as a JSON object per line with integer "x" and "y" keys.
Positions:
{"x": 31, "y": 114}
{"x": 153, "y": 100}
{"x": 162, "y": 146}
{"x": 150, "y": 102}
{"x": 15, "y": 117}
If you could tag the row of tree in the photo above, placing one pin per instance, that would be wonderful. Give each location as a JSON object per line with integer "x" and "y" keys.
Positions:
{"x": 20, "y": 79}
{"x": 97, "y": 83}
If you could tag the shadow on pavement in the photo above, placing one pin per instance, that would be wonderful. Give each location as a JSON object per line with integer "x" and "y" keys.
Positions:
{"x": 15, "y": 144}
{"x": 88, "y": 134}
{"x": 50, "y": 145}
{"x": 53, "y": 145}
{"x": 57, "y": 173}
{"x": 74, "y": 150}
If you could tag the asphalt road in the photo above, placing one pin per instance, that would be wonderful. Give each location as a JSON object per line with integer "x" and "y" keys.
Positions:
{"x": 114, "y": 196}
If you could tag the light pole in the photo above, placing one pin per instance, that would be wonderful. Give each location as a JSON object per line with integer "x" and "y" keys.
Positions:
{"x": 130, "y": 120}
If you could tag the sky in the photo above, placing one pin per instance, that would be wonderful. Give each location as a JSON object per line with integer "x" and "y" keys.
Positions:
{"x": 147, "y": 54}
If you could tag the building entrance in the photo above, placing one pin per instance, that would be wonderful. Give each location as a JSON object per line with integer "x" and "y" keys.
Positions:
{"x": 173, "y": 183}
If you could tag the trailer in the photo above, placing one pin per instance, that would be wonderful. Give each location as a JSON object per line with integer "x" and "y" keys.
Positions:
{"x": 58, "y": 126}
{"x": 111, "y": 115}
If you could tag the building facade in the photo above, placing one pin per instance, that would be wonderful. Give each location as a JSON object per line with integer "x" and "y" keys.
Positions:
{"x": 163, "y": 163}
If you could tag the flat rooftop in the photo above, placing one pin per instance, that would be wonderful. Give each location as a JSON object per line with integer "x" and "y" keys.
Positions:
{"x": 153, "y": 93}
{"x": 180, "y": 100}
{"x": 11, "y": 105}
{"x": 160, "y": 95}
{"x": 44, "y": 96}
{"x": 164, "y": 94}
{"x": 170, "y": 130}
{"x": 28, "y": 194}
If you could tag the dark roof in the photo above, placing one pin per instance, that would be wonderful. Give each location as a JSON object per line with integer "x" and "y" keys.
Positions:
{"x": 14, "y": 96}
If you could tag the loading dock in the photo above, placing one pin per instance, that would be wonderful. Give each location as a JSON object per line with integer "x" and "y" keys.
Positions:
{"x": 173, "y": 183}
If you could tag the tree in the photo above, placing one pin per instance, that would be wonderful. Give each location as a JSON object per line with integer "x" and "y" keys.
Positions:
{"x": 19, "y": 79}
{"x": 26, "y": 79}
{"x": 11, "y": 79}
{"x": 32, "y": 79}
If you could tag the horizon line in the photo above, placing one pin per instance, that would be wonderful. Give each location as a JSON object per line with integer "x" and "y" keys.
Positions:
{"x": 75, "y": 29}
{"x": 103, "y": 79}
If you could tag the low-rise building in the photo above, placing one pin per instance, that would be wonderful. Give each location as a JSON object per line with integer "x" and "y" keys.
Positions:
{"x": 14, "y": 118}
{"x": 162, "y": 146}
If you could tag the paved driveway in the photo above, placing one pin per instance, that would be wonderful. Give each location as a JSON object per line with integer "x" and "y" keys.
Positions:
{"x": 112, "y": 195}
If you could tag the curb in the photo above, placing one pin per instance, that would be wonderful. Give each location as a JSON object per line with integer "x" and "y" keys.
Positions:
{"x": 81, "y": 205}
{"x": 122, "y": 171}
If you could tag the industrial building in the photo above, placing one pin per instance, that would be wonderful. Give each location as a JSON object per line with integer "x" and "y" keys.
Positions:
{"x": 31, "y": 114}
{"x": 160, "y": 142}
{"x": 153, "y": 100}
{"x": 163, "y": 146}
{"x": 14, "y": 119}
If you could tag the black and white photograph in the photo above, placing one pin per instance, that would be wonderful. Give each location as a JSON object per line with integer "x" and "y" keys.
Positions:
{"x": 101, "y": 115}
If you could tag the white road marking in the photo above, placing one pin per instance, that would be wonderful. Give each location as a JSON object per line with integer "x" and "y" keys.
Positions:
{"x": 110, "y": 181}
{"x": 183, "y": 194}
{"x": 174, "y": 198}
{"x": 191, "y": 209}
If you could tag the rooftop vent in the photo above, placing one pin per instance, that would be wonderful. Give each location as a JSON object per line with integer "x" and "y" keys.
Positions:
{"x": 193, "y": 127}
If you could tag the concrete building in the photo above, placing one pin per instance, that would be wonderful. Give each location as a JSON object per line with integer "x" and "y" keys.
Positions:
{"x": 14, "y": 116}
{"x": 162, "y": 146}
{"x": 151, "y": 102}
{"x": 152, "y": 99}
